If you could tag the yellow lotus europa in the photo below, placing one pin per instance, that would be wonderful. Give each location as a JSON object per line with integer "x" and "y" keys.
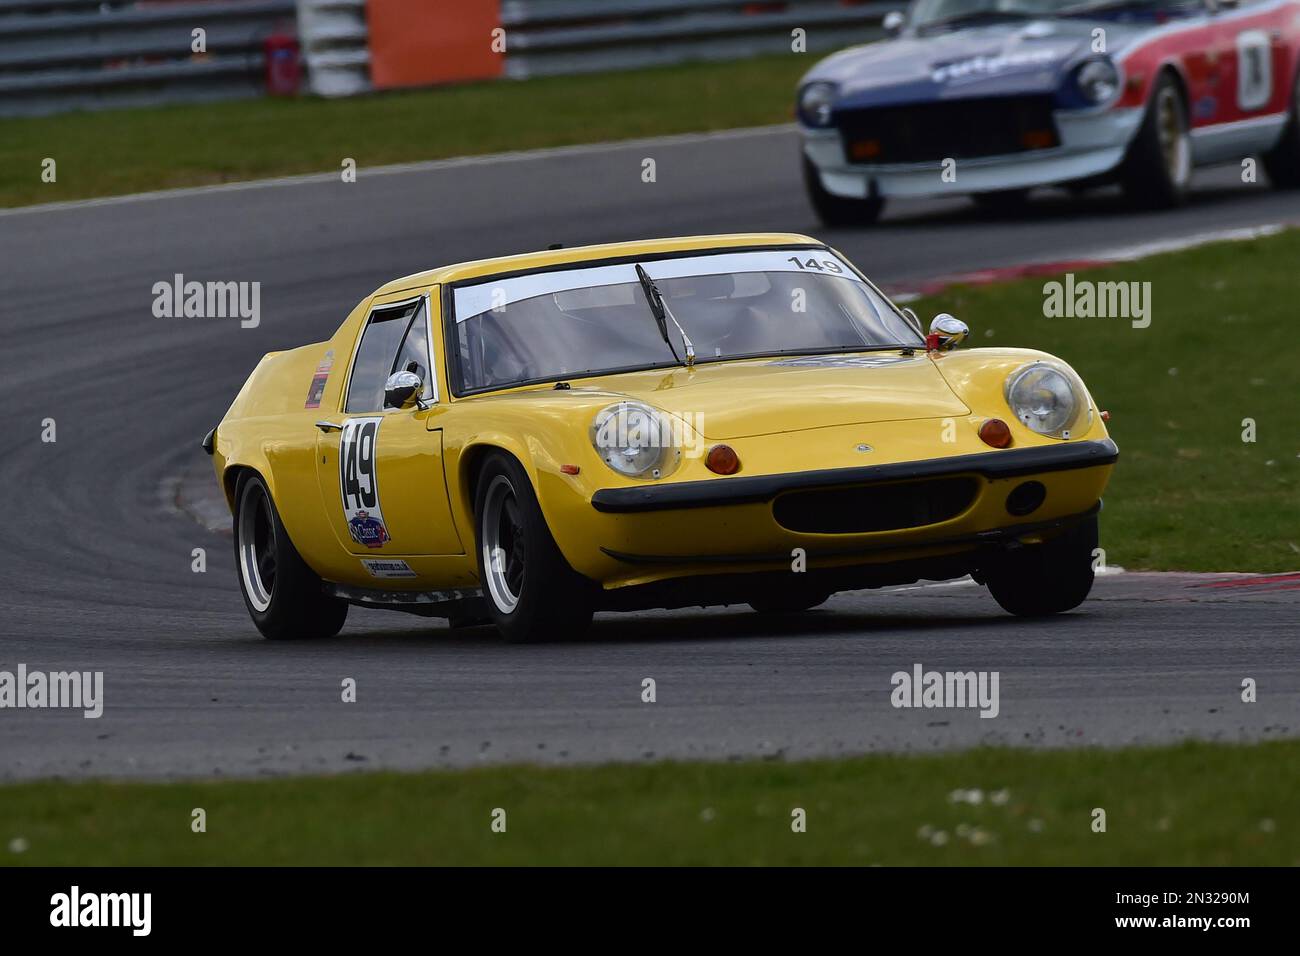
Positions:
{"x": 728, "y": 419}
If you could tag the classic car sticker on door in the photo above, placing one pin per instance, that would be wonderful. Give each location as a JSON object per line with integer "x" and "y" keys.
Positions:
{"x": 358, "y": 483}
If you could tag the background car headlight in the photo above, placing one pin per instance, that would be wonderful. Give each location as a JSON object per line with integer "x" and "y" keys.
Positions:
{"x": 1049, "y": 399}
{"x": 636, "y": 440}
{"x": 1098, "y": 80}
{"x": 816, "y": 101}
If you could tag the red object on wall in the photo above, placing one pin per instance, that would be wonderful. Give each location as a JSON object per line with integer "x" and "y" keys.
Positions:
{"x": 283, "y": 65}
{"x": 423, "y": 42}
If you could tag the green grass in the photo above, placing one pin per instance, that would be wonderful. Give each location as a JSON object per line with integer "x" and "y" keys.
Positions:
{"x": 124, "y": 151}
{"x": 1200, "y": 804}
{"x": 1188, "y": 493}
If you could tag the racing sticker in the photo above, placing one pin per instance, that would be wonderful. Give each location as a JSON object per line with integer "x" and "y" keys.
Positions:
{"x": 317, "y": 389}
{"x": 358, "y": 483}
{"x": 388, "y": 568}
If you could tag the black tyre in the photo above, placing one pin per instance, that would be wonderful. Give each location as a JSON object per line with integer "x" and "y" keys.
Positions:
{"x": 1049, "y": 578}
{"x": 1157, "y": 172}
{"x": 1282, "y": 162}
{"x": 789, "y": 602}
{"x": 284, "y": 597}
{"x": 1004, "y": 202}
{"x": 835, "y": 210}
{"x": 530, "y": 591}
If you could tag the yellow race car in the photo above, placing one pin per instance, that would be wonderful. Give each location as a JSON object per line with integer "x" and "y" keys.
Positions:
{"x": 677, "y": 422}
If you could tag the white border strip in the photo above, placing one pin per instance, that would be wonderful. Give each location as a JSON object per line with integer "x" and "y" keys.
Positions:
{"x": 428, "y": 165}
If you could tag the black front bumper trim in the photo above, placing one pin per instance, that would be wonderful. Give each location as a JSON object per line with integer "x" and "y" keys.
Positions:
{"x": 1012, "y": 463}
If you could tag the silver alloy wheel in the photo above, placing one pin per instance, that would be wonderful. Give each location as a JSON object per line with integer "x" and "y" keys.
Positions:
{"x": 256, "y": 535}
{"x": 502, "y": 541}
{"x": 1175, "y": 143}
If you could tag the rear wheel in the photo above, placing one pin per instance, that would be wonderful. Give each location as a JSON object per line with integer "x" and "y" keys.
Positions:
{"x": 1157, "y": 171}
{"x": 1049, "y": 578}
{"x": 835, "y": 210}
{"x": 1282, "y": 162}
{"x": 530, "y": 591}
{"x": 284, "y": 597}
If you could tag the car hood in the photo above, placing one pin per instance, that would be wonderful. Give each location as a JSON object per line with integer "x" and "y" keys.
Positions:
{"x": 731, "y": 400}
{"x": 988, "y": 60}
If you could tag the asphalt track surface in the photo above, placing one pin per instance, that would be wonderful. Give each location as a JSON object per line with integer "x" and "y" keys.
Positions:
{"x": 96, "y": 557}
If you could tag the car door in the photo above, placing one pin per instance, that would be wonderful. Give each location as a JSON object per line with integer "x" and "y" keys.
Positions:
{"x": 380, "y": 469}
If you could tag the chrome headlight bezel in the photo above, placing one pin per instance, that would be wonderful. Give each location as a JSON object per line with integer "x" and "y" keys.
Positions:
{"x": 1097, "y": 80}
{"x": 636, "y": 440}
{"x": 1072, "y": 421}
{"x": 816, "y": 103}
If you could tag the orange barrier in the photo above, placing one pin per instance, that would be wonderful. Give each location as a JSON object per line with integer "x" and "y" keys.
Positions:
{"x": 423, "y": 42}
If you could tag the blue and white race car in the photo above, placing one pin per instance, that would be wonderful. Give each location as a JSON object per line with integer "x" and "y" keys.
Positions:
{"x": 995, "y": 97}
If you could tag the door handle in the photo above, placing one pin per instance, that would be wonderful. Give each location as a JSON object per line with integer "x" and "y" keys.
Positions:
{"x": 329, "y": 427}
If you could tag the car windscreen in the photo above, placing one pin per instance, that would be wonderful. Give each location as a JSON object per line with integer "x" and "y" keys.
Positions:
{"x": 570, "y": 323}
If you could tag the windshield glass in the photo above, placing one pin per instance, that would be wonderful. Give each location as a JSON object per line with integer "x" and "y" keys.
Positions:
{"x": 934, "y": 13}
{"x": 554, "y": 325}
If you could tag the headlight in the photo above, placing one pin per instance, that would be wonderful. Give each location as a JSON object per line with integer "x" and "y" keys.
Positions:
{"x": 815, "y": 103}
{"x": 1049, "y": 399}
{"x": 1098, "y": 80}
{"x": 636, "y": 440}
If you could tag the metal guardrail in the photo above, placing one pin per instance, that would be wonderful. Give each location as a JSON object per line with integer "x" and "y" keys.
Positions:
{"x": 547, "y": 37}
{"x": 60, "y": 55}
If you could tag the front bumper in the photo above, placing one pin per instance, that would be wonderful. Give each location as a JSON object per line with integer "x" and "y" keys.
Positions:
{"x": 1092, "y": 143}
{"x": 1012, "y": 463}
{"x": 634, "y": 535}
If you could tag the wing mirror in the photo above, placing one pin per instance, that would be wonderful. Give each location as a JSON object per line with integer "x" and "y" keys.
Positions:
{"x": 893, "y": 22}
{"x": 946, "y": 333}
{"x": 402, "y": 390}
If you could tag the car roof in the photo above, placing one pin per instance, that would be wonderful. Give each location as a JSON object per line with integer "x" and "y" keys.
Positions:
{"x": 479, "y": 268}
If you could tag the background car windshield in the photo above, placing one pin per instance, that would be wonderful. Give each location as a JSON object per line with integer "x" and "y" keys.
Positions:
{"x": 582, "y": 322}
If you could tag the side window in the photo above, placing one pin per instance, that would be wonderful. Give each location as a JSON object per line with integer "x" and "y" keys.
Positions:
{"x": 413, "y": 356}
{"x": 376, "y": 354}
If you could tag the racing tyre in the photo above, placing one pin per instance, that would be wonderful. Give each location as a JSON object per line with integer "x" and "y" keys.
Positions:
{"x": 835, "y": 210}
{"x": 284, "y": 597}
{"x": 1049, "y": 578}
{"x": 1157, "y": 171}
{"x": 788, "y": 602}
{"x": 1282, "y": 162}
{"x": 530, "y": 591}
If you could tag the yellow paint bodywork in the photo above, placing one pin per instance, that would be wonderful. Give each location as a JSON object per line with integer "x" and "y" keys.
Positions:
{"x": 778, "y": 418}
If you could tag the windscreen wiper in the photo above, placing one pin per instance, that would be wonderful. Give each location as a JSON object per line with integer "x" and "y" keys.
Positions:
{"x": 660, "y": 310}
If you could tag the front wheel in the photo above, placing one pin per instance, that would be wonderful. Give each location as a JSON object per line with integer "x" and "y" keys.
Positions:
{"x": 284, "y": 597}
{"x": 1037, "y": 580}
{"x": 1157, "y": 172}
{"x": 530, "y": 591}
{"x": 835, "y": 210}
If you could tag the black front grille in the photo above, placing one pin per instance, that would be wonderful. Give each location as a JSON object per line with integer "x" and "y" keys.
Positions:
{"x": 957, "y": 129}
{"x": 910, "y": 504}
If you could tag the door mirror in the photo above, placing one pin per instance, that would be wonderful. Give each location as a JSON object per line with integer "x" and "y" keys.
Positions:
{"x": 402, "y": 390}
{"x": 893, "y": 22}
{"x": 946, "y": 332}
